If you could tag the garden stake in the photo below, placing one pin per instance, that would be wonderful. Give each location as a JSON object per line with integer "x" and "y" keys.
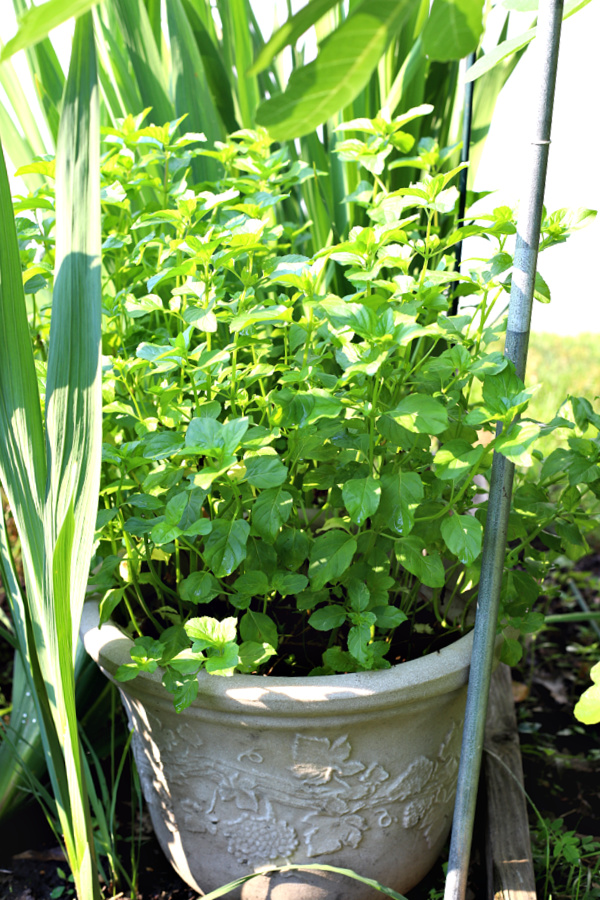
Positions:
{"x": 464, "y": 157}
{"x": 494, "y": 547}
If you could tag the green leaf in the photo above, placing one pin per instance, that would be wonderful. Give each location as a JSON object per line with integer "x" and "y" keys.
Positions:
{"x": 587, "y": 708}
{"x": 240, "y": 34}
{"x": 184, "y": 690}
{"x": 310, "y": 406}
{"x": 541, "y": 291}
{"x": 511, "y": 652}
{"x": 208, "y": 435}
{"x": 252, "y": 654}
{"x": 109, "y": 603}
{"x": 512, "y": 45}
{"x": 254, "y": 583}
{"x": 290, "y": 31}
{"x": 189, "y": 87}
{"x": 420, "y": 413}
{"x": 505, "y": 393}
{"x": 209, "y": 632}
{"x": 161, "y": 445}
{"x": 163, "y": 533}
{"x": 203, "y": 319}
{"x": 233, "y": 433}
{"x": 515, "y": 443}
{"x": 453, "y": 29}
{"x": 271, "y": 510}
{"x": 216, "y": 73}
{"x": 144, "y": 501}
{"x": 73, "y": 384}
{"x": 265, "y": 471}
{"x": 144, "y": 56}
{"x": 38, "y": 21}
{"x": 359, "y": 637}
{"x": 401, "y": 493}
{"x": 286, "y": 583}
{"x": 428, "y": 568}
{"x": 225, "y": 661}
{"x": 389, "y": 616}
{"x": 330, "y": 556}
{"x": 455, "y": 459}
{"x": 225, "y": 547}
{"x": 361, "y": 496}
{"x": 258, "y": 627}
{"x": 315, "y": 92}
{"x": 292, "y": 547}
{"x": 175, "y": 508}
{"x": 199, "y": 587}
{"x": 359, "y": 595}
{"x": 463, "y": 536}
{"x": 325, "y": 618}
{"x": 260, "y": 314}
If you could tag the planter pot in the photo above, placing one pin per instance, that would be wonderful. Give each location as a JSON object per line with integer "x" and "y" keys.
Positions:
{"x": 356, "y": 771}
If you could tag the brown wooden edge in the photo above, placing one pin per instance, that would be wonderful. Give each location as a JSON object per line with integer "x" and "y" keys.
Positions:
{"x": 508, "y": 847}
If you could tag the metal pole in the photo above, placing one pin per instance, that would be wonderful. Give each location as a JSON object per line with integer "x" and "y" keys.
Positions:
{"x": 464, "y": 157}
{"x": 494, "y": 545}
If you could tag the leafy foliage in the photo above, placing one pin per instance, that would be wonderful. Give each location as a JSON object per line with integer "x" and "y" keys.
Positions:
{"x": 284, "y": 460}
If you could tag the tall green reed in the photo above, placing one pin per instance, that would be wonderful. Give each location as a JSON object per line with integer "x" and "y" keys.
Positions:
{"x": 50, "y": 461}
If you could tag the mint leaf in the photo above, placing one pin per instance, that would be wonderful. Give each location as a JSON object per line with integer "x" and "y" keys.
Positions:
{"x": 463, "y": 536}
{"x": 361, "y": 496}
{"x": 225, "y": 547}
{"x": 271, "y": 510}
{"x": 258, "y": 627}
{"x": 265, "y": 471}
{"x": 327, "y": 617}
{"x": 428, "y": 568}
{"x": 420, "y": 413}
{"x": 330, "y": 556}
{"x": 199, "y": 587}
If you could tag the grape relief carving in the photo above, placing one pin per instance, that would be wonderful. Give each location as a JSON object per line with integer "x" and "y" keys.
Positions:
{"x": 349, "y": 797}
{"x": 333, "y": 801}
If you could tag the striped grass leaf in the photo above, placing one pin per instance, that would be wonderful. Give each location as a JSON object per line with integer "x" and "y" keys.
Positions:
{"x": 47, "y": 74}
{"x": 35, "y": 24}
{"x": 241, "y": 40}
{"x": 135, "y": 27}
{"x": 216, "y": 73}
{"x": 52, "y": 479}
{"x": 190, "y": 86}
{"x": 21, "y": 109}
{"x": 21, "y": 752}
{"x": 290, "y": 31}
{"x": 18, "y": 148}
{"x": 518, "y": 42}
{"x": 335, "y": 870}
{"x": 120, "y": 91}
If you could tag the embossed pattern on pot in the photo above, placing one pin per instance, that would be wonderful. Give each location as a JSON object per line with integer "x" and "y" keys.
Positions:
{"x": 230, "y": 791}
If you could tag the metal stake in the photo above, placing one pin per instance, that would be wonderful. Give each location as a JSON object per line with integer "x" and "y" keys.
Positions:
{"x": 494, "y": 545}
{"x": 464, "y": 157}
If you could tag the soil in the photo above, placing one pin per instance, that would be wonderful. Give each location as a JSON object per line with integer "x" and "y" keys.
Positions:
{"x": 561, "y": 761}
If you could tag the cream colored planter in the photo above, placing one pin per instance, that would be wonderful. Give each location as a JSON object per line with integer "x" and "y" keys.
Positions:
{"x": 357, "y": 771}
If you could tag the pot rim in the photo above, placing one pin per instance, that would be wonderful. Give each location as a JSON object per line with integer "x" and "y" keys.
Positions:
{"x": 433, "y": 675}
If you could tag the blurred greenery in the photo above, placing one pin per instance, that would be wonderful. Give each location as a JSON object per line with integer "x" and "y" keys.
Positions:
{"x": 564, "y": 365}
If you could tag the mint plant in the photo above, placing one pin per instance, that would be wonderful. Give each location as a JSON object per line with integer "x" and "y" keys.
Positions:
{"x": 292, "y": 442}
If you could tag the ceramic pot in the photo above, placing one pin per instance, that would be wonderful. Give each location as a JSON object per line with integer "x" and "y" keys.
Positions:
{"x": 356, "y": 771}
